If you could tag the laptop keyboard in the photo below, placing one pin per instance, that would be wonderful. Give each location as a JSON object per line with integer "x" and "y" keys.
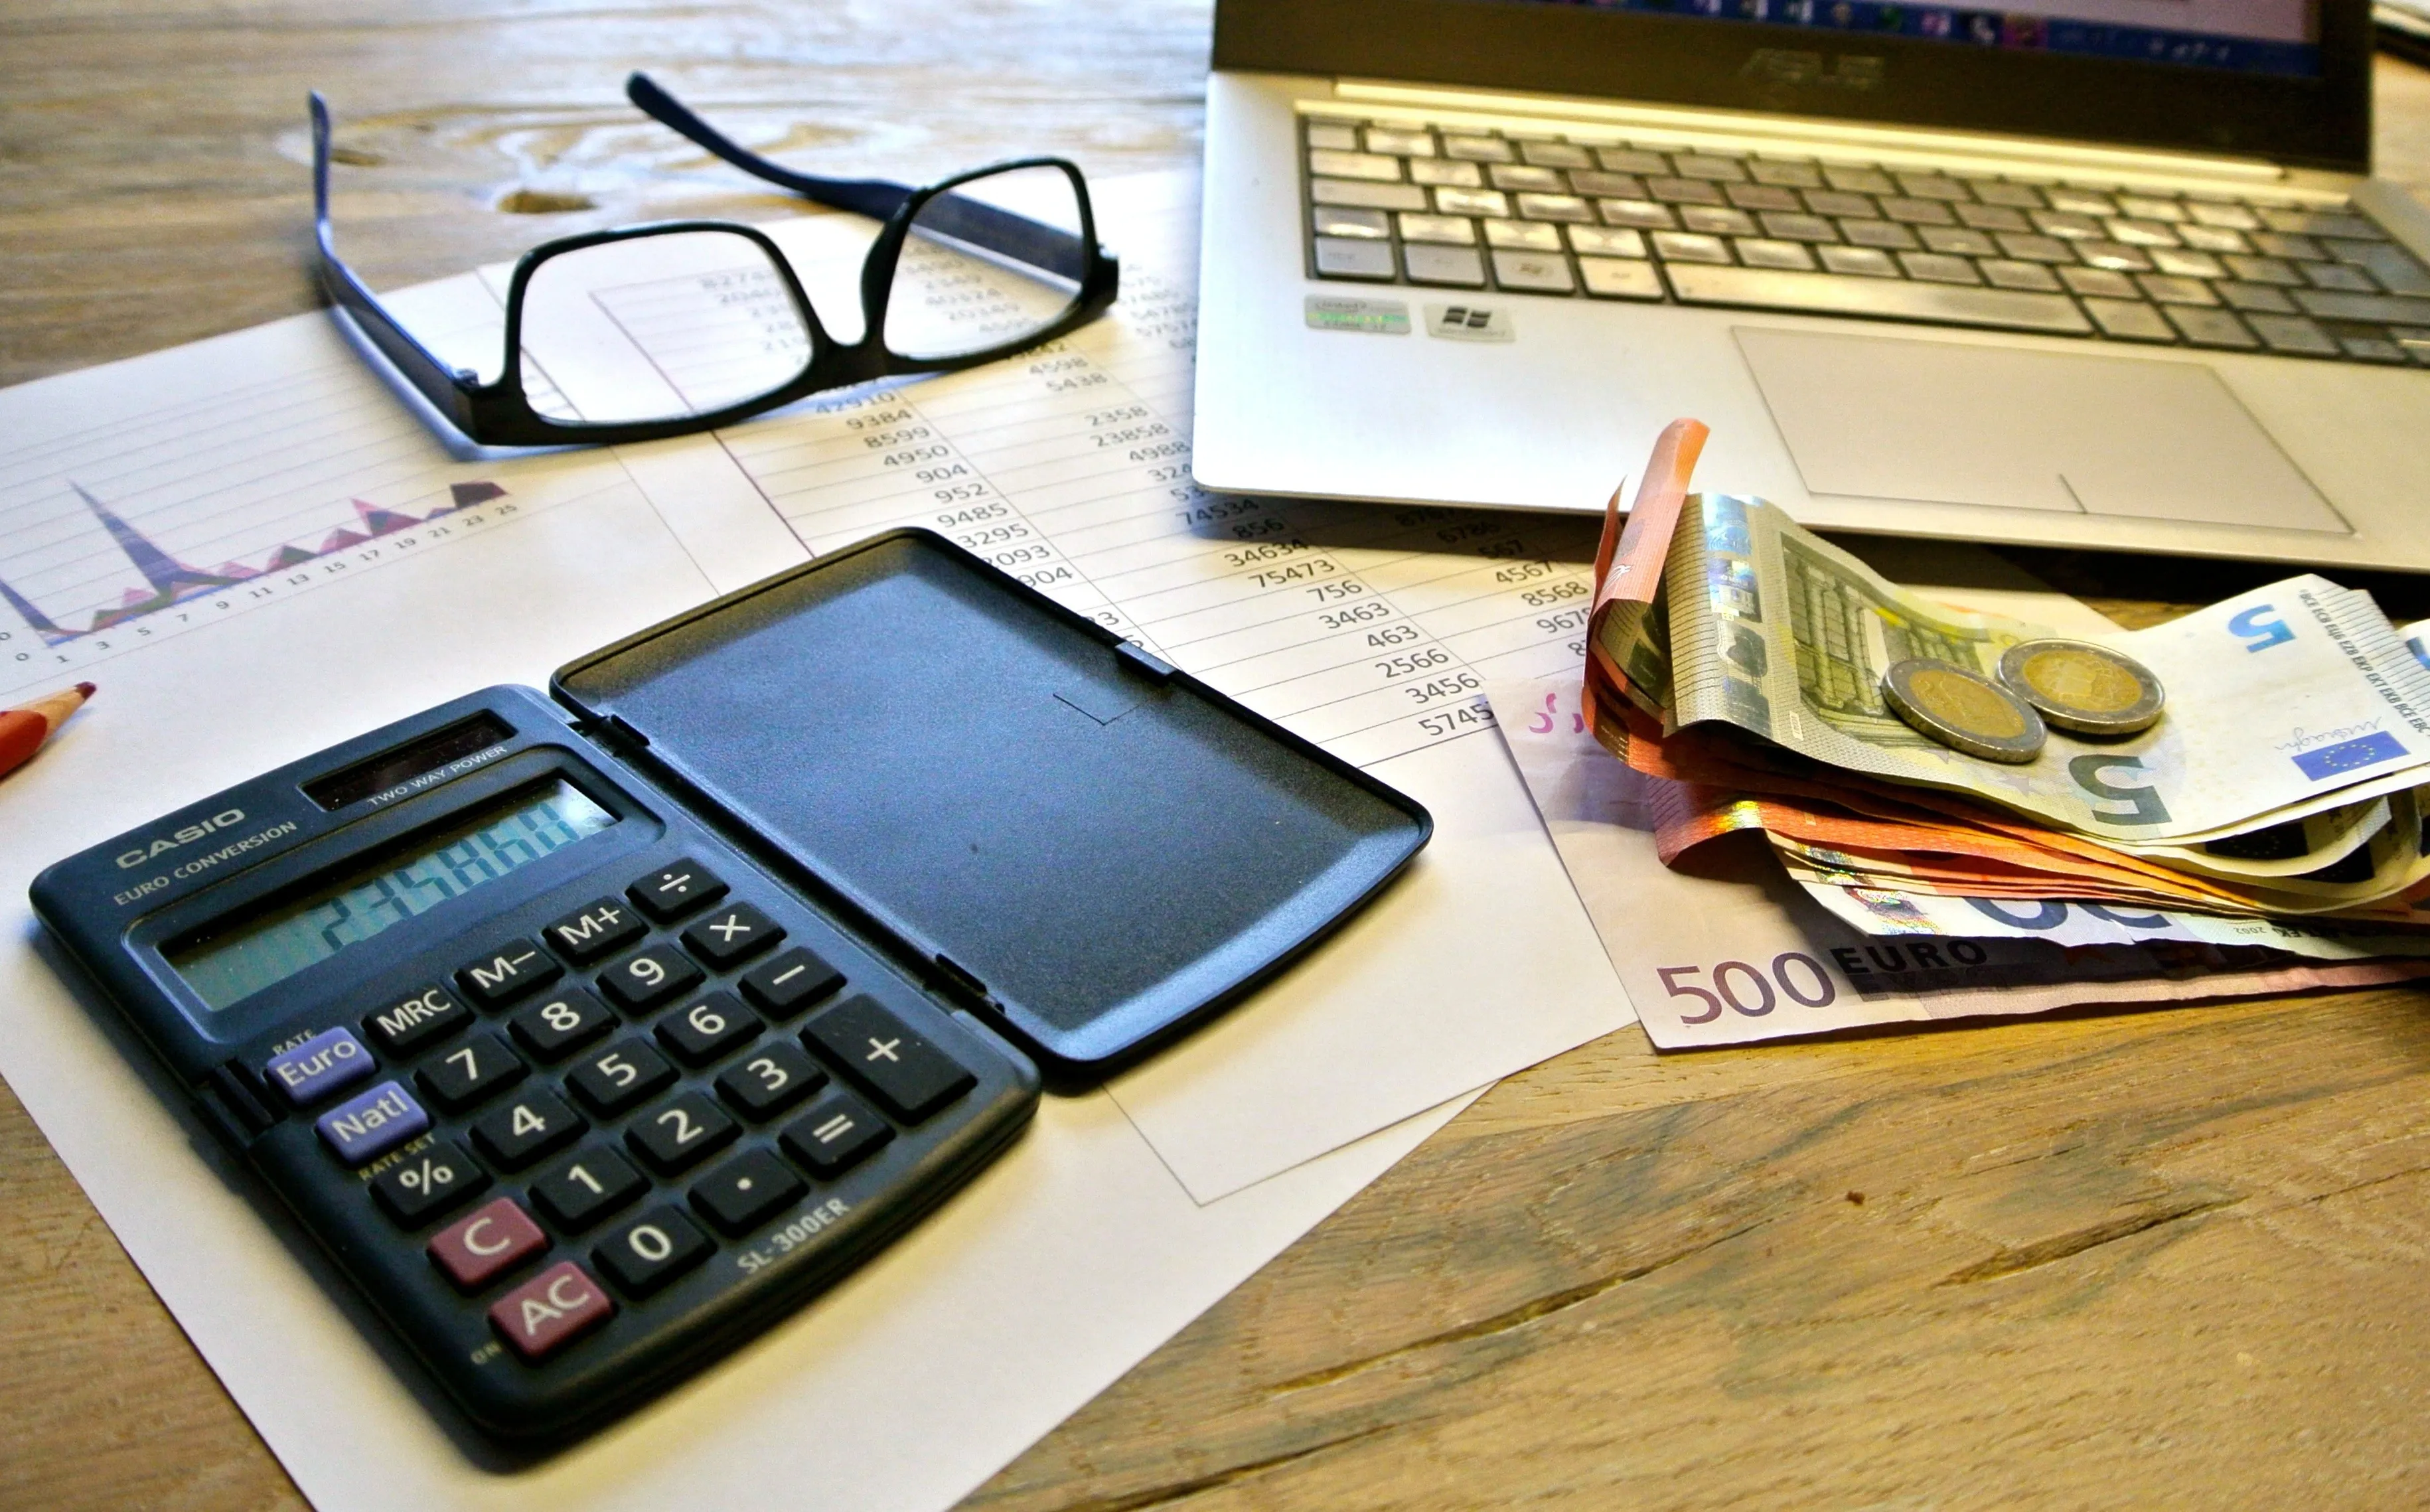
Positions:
{"x": 1460, "y": 208}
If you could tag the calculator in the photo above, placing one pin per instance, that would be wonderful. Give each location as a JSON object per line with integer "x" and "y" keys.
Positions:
{"x": 591, "y": 1034}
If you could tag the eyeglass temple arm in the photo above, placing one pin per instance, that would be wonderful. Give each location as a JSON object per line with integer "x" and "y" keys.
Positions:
{"x": 435, "y": 380}
{"x": 983, "y": 226}
{"x": 872, "y": 197}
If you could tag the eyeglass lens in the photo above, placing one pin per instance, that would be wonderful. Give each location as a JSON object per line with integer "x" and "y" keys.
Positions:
{"x": 972, "y": 277}
{"x": 658, "y": 327}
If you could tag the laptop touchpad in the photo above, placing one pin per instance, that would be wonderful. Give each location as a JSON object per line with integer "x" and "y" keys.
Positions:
{"x": 1946, "y": 424}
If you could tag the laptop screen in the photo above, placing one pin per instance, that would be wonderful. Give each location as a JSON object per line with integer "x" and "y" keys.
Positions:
{"x": 2249, "y": 36}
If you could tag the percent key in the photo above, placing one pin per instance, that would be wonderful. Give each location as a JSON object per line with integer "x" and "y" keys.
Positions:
{"x": 426, "y": 1180}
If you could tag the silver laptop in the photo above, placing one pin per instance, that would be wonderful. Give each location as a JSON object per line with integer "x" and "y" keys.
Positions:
{"x": 2108, "y": 273}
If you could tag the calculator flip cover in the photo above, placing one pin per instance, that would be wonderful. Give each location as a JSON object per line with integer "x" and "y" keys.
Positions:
{"x": 590, "y": 1039}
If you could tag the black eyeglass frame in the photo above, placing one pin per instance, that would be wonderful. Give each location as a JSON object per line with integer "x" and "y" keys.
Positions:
{"x": 499, "y": 414}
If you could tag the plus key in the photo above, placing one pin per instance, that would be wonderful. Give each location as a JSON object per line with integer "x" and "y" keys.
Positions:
{"x": 733, "y": 932}
{"x": 912, "y": 1077}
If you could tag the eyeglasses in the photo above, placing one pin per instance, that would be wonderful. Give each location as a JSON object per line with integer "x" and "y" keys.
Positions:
{"x": 1001, "y": 259}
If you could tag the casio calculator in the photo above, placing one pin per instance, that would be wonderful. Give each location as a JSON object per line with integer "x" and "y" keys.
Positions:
{"x": 591, "y": 1036}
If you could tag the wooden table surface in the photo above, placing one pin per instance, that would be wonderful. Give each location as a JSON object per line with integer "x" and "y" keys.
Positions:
{"x": 2163, "y": 1258}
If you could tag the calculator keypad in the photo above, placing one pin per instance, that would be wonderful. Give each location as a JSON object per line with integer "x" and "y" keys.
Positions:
{"x": 585, "y": 1187}
{"x": 668, "y": 895}
{"x": 732, "y": 933}
{"x": 701, "y": 1032}
{"x": 561, "y": 1023}
{"x": 472, "y": 1072}
{"x": 580, "y": 1152}
{"x": 649, "y": 977}
{"x": 417, "y": 1020}
{"x": 523, "y": 1131}
{"x": 506, "y": 971}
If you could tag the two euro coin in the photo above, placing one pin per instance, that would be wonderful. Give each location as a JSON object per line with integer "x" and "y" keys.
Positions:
{"x": 2067, "y": 684}
{"x": 2082, "y": 687}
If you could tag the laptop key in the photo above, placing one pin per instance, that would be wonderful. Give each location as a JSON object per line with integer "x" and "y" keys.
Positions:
{"x": 1400, "y": 143}
{"x": 1367, "y": 197}
{"x": 1554, "y": 207}
{"x": 1607, "y": 186}
{"x": 1688, "y": 246}
{"x": 1757, "y": 252}
{"x": 2140, "y": 233}
{"x": 1860, "y": 180}
{"x": 2099, "y": 283}
{"x": 2212, "y": 327}
{"x": 1445, "y": 172}
{"x": 1763, "y": 197}
{"x": 2395, "y": 270}
{"x": 1523, "y": 236}
{"x": 1469, "y": 202}
{"x": 1533, "y": 272}
{"x": 1917, "y": 212}
{"x": 1935, "y": 267}
{"x": 2338, "y": 276}
{"x": 1643, "y": 214}
{"x": 1607, "y": 278}
{"x": 1542, "y": 180}
{"x": 1459, "y": 267}
{"x": 2004, "y": 274}
{"x": 1447, "y": 230}
{"x": 2016, "y": 196}
{"x": 1556, "y": 154}
{"x": 1708, "y": 165}
{"x": 1341, "y": 257}
{"x": 2163, "y": 289}
{"x": 1828, "y": 201}
{"x": 2389, "y": 308}
{"x": 2186, "y": 264}
{"x": 1595, "y": 242}
{"x": 2230, "y": 217}
{"x": 1341, "y": 139}
{"x": 2213, "y": 238}
{"x": 1993, "y": 218}
{"x": 2371, "y": 349}
{"x": 1958, "y": 244}
{"x": 1365, "y": 165}
{"x": 2080, "y": 201}
{"x": 1864, "y": 262}
{"x": 2115, "y": 255}
{"x": 1366, "y": 225}
{"x": 1478, "y": 149}
{"x": 1785, "y": 174}
{"x": 2030, "y": 248}
{"x": 2129, "y": 320}
{"x": 1942, "y": 303}
{"x": 2257, "y": 297}
{"x": 1715, "y": 220}
{"x": 1787, "y": 227}
{"x": 1884, "y": 234}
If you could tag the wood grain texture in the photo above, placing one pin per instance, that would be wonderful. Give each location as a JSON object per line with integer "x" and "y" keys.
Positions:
{"x": 2162, "y": 1258}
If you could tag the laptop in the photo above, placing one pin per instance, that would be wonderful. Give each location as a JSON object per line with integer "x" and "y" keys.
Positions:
{"x": 2102, "y": 273}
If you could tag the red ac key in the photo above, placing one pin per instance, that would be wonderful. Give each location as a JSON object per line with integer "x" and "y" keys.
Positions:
{"x": 549, "y": 1309}
{"x": 487, "y": 1242}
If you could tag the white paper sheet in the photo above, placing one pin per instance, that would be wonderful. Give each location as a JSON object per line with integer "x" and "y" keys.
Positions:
{"x": 265, "y": 565}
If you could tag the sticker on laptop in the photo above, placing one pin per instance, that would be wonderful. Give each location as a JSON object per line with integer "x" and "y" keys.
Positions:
{"x": 1469, "y": 322}
{"x": 1376, "y": 317}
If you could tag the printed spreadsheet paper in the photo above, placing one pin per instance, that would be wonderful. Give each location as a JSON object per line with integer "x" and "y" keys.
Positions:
{"x": 259, "y": 566}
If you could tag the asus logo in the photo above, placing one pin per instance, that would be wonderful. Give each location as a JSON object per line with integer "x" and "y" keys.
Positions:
{"x": 185, "y": 836}
{"x": 1790, "y": 67}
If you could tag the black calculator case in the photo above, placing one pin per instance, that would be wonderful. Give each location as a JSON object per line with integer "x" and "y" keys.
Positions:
{"x": 1015, "y": 832}
{"x": 1096, "y": 849}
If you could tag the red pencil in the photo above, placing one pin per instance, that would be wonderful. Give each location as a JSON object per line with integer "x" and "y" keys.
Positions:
{"x": 24, "y": 730}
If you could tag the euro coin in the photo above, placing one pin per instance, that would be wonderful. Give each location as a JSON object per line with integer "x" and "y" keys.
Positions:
{"x": 1963, "y": 710}
{"x": 2089, "y": 690}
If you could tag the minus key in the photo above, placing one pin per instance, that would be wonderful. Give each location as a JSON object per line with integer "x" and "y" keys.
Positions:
{"x": 791, "y": 983}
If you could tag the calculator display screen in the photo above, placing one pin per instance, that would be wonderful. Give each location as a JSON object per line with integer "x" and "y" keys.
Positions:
{"x": 236, "y": 959}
